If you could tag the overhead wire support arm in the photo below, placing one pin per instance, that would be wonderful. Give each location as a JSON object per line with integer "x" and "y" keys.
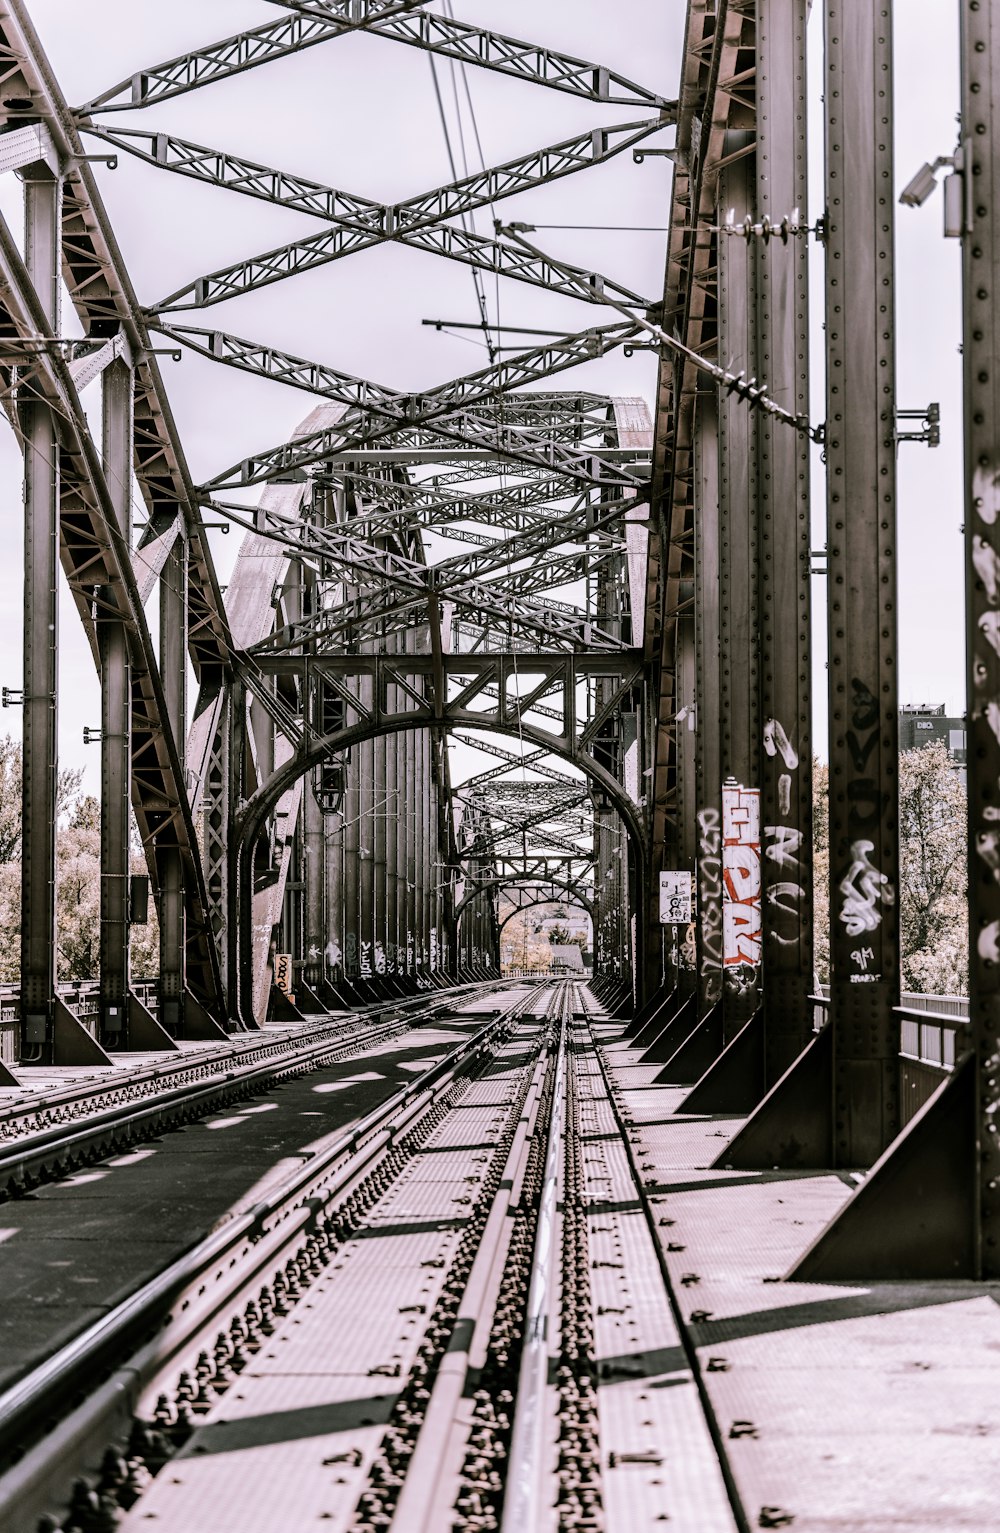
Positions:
{"x": 752, "y": 393}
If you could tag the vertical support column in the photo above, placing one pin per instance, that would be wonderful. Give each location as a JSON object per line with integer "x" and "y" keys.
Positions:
{"x": 173, "y": 674}
{"x": 740, "y": 677}
{"x": 708, "y": 758}
{"x": 43, "y": 209}
{"x": 675, "y": 937}
{"x": 314, "y": 878}
{"x": 429, "y": 879}
{"x": 981, "y": 358}
{"x": 379, "y": 846}
{"x": 225, "y": 903}
{"x": 784, "y": 534}
{"x": 861, "y": 541}
{"x": 349, "y": 835}
{"x": 367, "y": 923}
{"x": 392, "y": 809}
{"x": 414, "y": 957}
{"x": 116, "y": 724}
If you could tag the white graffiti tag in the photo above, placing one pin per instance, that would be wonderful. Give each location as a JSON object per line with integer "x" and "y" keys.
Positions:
{"x": 863, "y": 889}
{"x": 777, "y": 743}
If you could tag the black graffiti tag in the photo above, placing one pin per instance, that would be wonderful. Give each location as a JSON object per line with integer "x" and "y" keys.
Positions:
{"x": 710, "y": 900}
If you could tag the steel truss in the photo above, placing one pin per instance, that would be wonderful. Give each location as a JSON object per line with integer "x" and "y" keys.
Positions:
{"x": 308, "y": 705}
{"x": 311, "y": 803}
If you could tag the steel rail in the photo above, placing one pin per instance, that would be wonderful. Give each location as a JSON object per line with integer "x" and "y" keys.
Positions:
{"x": 45, "y": 1107}
{"x": 144, "y": 1336}
{"x": 525, "y": 1505}
{"x": 51, "y": 1153}
{"x": 434, "y": 1477}
{"x": 688, "y": 1343}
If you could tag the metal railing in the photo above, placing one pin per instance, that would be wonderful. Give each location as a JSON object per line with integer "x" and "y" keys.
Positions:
{"x": 80, "y": 995}
{"x": 928, "y": 1036}
{"x": 926, "y": 1042}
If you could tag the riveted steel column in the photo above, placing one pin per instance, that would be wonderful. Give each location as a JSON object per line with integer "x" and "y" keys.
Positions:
{"x": 981, "y": 353}
{"x": 861, "y": 540}
{"x": 314, "y": 877}
{"x": 783, "y": 527}
{"x": 740, "y": 677}
{"x": 116, "y": 722}
{"x": 414, "y": 956}
{"x": 173, "y": 674}
{"x": 392, "y": 809}
{"x": 367, "y": 924}
{"x": 351, "y": 828}
{"x": 378, "y": 844}
{"x": 708, "y": 718}
{"x": 223, "y": 793}
{"x": 43, "y": 204}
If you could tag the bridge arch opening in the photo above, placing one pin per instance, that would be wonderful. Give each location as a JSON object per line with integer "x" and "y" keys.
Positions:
{"x": 252, "y": 818}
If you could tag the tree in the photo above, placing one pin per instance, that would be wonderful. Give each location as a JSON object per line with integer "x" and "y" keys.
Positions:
{"x": 78, "y": 879}
{"x": 933, "y": 905}
{"x": 67, "y": 791}
{"x": 78, "y": 892}
{"x": 933, "y": 902}
{"x": 67, "y": 788}
{"x": 821, "y": 871}
{"x": 143, "y": 941}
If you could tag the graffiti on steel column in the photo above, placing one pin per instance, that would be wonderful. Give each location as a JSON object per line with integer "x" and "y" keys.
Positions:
{"x": 782, "y": 844}
{"x": 864, "y": 890}
{"x": 710, "y": 901}
{"x": 985, "y": 705}
{"x": 742, "y": 929}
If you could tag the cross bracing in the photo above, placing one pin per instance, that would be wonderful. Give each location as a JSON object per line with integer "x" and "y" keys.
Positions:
{"x": 506, "y": 637}
{"x": 525, "y": 634}
{"x": 360, "y": 224}
{"x": 318, "y": 22}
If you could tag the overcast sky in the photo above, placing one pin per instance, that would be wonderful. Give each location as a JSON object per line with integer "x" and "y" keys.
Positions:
{"x": 359, "y": 113}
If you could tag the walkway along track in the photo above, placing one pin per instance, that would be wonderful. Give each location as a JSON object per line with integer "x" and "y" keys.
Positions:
{"x": 43, "y": 1136}
{"x": 459, "y": 1321}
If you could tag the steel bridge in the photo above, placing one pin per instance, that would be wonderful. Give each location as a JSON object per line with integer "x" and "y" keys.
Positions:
{"x": 505, "y": 635}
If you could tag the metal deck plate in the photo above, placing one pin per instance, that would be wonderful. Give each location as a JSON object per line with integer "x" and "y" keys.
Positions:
{"x": 857, "y": 1408}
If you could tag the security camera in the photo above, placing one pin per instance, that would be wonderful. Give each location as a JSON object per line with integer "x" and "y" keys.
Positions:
{"x": 917, "y": 190}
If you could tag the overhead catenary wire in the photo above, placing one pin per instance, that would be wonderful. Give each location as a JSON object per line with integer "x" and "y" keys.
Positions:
{"x": 468, "y": 221}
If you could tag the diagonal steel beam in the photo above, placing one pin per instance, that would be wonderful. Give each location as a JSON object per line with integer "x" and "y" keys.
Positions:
{"x": 320, "y": 21}
{"x": 242, "y": 51}
{"x": 492, "y": 50}
{"x": 401, "y": 409}
{"x": 492, "y": 435}
{"x": 358, "y": 223}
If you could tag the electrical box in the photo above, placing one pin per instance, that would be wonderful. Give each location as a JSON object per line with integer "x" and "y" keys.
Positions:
{"x": 138, "y": 899}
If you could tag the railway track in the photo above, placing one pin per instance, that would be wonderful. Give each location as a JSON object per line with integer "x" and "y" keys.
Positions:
{"x": 46, "y": 1135}
{"x": 457, "y": 1319}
